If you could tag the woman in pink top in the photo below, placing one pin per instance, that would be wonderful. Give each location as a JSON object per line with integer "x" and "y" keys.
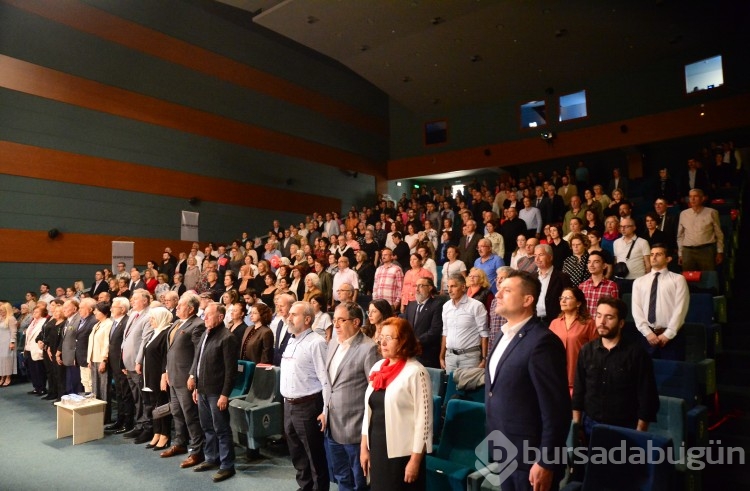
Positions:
{"x": 574, "y": 327}
{"x": 409, "y": 289}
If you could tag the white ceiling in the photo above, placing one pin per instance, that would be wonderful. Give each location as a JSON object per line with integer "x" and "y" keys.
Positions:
{"x": 459, "y": 53}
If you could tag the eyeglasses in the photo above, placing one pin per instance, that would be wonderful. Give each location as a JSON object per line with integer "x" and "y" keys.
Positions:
{"x": 338, "y": 320}
{"x": 386, "y": 339}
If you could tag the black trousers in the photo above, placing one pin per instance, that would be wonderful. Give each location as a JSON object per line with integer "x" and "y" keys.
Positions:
{"x": 123, "y": 397}
{"x": 306, "y": 444}
{"x": 50, "y": 368}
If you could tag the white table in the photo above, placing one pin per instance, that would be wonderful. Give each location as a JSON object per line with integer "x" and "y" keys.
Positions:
{"x": 85, "y": 421}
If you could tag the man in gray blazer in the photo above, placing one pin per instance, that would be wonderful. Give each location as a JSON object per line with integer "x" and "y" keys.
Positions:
{"x": 66, "y": 350}
{"x": 350, "y": 357}
{"x": 139, "y": 325}
{"x": 183, "y": 339}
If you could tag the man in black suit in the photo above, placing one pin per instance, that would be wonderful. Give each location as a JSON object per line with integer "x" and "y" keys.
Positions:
{"x": 510, "y": 230}
{"x": 168, "y": 265}
{"x": 553, "y": 282}
{"x": 555, "y": 210}
{"x": 182, "y": 339}
{"x": 136, "y": 283}
{"x": 122, "y": 394}
{"x": 214, "y": 370}
{"x": 696, "y": 177}
{"x": 467, "y": 246}
{"x": 526, "y": 389}
{"x": 425, "y": 314}
{"x": 286, "y": 244}
{"x": 666, "y": 223}
{"x": 99, "y": 285}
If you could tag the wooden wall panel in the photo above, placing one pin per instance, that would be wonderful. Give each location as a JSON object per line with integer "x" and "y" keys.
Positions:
{"x": 30, "y": 246}
{"x": 134, "y": 36}
{"x": 35, "y": 162}
{"x": 703, "y": 118}
{"x": 52, "y": 84}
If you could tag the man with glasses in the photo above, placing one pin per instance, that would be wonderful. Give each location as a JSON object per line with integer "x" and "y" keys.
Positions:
{"x": 351, "y": 355}
{"x": 425, "y": 314}
{"x": 634, "y": 252}
{"x": 304, "y": 386}
{"x": 345, "y": 275}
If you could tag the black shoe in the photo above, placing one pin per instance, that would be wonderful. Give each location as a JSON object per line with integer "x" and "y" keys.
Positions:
{"x": 135, "y": 432}
{"x": 42, "y": 393}
{"x": 113, "y": 426}
{"x": 223, "y": 474}
{"x": 49, "y": 397}
{"x": 123, "y": 429}
{"x": 33, "y": 392}
{"x": 144, "y": 437}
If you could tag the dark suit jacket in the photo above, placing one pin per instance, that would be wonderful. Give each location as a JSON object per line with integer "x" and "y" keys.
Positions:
{"x": 670, "y": 231}
{"x": 701, "y": 182}
{"x": 557, "y": 282}
{"x": 181, "y": 267}
{"x": 528, "y": 401}
{"x": 428, "y": 329}
{"x": 181, "y": 352}
{"x": 510, "y": 230}
{"x": 139, "y": 285}
{"x": 180, "y": 289}
{"x": 82, "y": 340}
{"x": 95, "y": 291}
{"x": 115, "y": 344}
{"x": 218, "y": 365}
{"x": 468, "y": 252}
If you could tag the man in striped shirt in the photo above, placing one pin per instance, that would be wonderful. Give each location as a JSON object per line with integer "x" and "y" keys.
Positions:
{"x": 389, "y": 280}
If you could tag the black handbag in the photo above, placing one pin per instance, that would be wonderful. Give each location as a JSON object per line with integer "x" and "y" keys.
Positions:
{"x": 161, "y": 411}
{"x": 620, "y": 269}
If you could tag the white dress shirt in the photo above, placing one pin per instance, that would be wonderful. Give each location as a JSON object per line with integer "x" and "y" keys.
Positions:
{"x": 672, "y": 300}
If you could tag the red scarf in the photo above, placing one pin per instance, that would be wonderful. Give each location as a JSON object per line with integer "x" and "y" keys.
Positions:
{"x": 386, "y": 374}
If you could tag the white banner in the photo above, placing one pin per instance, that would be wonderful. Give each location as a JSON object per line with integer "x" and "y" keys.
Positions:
{"x": 189, "y": 226}
{"x": 123, "y": 252}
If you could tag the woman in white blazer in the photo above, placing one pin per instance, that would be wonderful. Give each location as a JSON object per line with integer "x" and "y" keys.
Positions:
{"x": 99, "y": 350}
{"x": 33, "y": 352}
{"x": 397, "y": 425}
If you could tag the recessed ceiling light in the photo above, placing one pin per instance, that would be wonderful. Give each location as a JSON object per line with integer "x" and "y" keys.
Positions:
{"x": 561, "y": 32}
{"x": 312, "y": 19}
{"x": 406, "y": 79}
{"x": 364, "y": 48}
{"x": 475, "y": 58}
{"x": 436, "y": 20}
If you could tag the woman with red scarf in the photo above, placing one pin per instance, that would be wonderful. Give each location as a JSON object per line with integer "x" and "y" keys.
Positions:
{"x": 397, "y": 425}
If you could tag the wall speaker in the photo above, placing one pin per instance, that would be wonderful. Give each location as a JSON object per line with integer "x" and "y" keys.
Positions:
{"x": 53, "y": 233}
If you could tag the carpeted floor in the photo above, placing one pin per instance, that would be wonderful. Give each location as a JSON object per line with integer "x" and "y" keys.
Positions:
{"x": 31, "y": 458}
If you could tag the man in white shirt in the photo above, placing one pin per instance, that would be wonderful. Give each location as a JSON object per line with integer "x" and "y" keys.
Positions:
{"x": 279, "y": 326}
{"x": 660, "y": 304}
{"x": 465, "y": 331}
{"x": 638, "y": 262}
{"x": 345, "y": 275}
{"x": 304, "y": 385}
{"x": 44, "y": 294}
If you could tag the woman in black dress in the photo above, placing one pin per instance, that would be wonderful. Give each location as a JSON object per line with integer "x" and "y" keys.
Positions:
{"x": 397, "y": 426}
{"x": 154, "y": 386}
{"x": 653, "y": 235}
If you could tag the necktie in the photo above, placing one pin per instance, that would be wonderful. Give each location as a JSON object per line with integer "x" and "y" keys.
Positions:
{"x": 652, "y": 300}
{"x": 419, "y": 311}
{"x": 174, "y": 331}
{"x": 278, "y": 333}
{"x": 112, "y": 330}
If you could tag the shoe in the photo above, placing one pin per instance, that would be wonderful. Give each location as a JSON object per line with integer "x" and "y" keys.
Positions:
{"x": 113, "y": 426}
{"x": 42, "y": 393}
{"x": 144, "y": 437}
{"x": 162, "y": 447}
{"x": 149, "y": 446}
{"x": 121, "y": 430}
{"x": 206, "y": 466}
{"x": 133, "y": 433}
{"x": 194, "y": 459}
{"x": 49, "y": 397}
{"x": 172, "y": 451}
{"x": 33, "y": 392}
{"x": 224, "y": 474}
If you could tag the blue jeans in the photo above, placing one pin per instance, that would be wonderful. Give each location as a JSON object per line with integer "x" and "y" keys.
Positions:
{"x": 218, "y": 447}
{"x": 343, "y": 461}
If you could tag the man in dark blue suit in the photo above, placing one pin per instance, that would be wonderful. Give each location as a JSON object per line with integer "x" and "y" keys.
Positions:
{"x": 527, "y": 397}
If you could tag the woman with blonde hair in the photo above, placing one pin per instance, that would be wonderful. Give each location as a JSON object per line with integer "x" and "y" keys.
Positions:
{"x": 8, "y": 335}
{"x": 478, "y": 287}
{"x": 154, "y": 385}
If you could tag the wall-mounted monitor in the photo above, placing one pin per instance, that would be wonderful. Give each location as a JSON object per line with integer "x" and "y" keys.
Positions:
{"x": 704, "y": 74}
{"x": 573, "y": 106}
{"x": 436, "y": 132}
{"x": 533, "y": 114}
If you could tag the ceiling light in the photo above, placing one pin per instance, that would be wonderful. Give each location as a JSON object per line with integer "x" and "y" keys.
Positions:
{"x": 561, "y": 33}
{"x": 364, "y": 48}
{"x": 406, "y": 79}
{"x": 311, "y": 19}
{"x": 436, "y": 20}
{"x": 475, "y": 58}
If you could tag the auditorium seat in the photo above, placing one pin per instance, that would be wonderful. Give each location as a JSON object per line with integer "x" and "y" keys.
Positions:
{"x": 260, "y": 413}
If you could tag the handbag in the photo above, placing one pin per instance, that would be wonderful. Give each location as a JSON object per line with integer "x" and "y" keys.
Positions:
{"x": 620, "y": 270}
{"x": 692, "y": 276}
{"x": 161, "y": 411}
